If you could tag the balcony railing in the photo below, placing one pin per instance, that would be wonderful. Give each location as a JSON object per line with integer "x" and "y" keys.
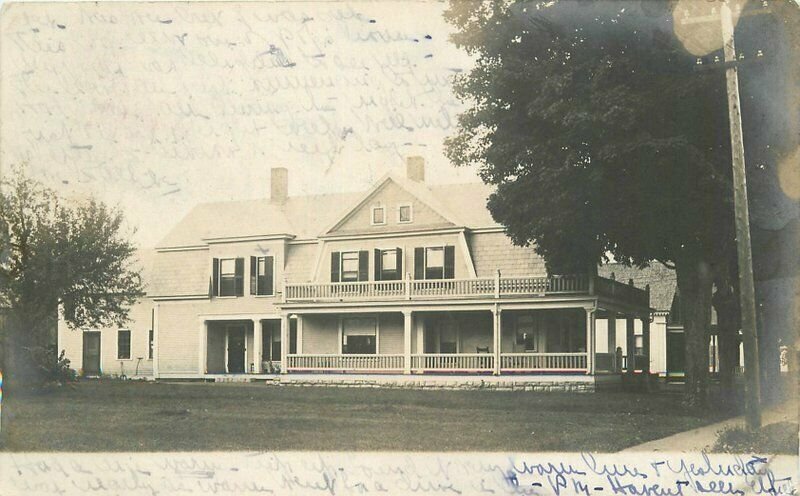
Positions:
{"x": 544, "y": 362}
{"x": 486, "y": 287}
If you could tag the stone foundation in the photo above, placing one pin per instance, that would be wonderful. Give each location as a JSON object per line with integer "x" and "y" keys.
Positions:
{"x": 555, "y": 384}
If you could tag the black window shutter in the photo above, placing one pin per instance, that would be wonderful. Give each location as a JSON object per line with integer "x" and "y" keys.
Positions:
{"x": 335, "y": 266}
{"x": 449, "y": 262}
{"x": 378, "y": 265}
{"x": 400, "y": 274}
{"x": 363, "y": 265}
{"x": 419, "y": 263}
{"x": 239, "y": 277}
{"x": 269, "y": 271}
{"x": 215, "y": 278}
{"x": 253, "y": 273}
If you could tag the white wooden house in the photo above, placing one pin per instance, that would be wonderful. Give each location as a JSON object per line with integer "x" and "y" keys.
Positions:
{"x": 407, "y": 281}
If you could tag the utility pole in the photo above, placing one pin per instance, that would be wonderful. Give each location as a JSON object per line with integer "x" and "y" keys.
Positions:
{"x": 747, "y": 299}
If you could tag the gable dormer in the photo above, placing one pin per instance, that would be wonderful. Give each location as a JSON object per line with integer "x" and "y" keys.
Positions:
{"x": 396, "y": 204}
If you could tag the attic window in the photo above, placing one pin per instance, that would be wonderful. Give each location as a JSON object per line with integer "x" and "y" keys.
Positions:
{"x": 378, "y": 216}
{"x": 404, "y": 214}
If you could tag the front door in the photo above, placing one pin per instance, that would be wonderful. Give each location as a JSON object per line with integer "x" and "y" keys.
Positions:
{"x": 91, "y": 353}
{"x": 236, "y": 350}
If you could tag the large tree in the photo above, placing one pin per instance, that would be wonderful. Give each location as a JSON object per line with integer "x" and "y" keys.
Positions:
{"x": 601, "y": 138}
{"x": 58, "y": 254}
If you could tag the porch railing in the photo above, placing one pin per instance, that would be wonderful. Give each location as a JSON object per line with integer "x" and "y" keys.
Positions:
{"x": 521, "y": 362}
{"x": 439, "y": 362}
{"x": 448, "y": 362}
{"x": 386, "y": 363}
{"x": 640, "y": 361}
{"x": 605, "y": 362}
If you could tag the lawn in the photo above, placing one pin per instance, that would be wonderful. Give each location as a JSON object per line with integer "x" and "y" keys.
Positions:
{"x": 139, "y": 416}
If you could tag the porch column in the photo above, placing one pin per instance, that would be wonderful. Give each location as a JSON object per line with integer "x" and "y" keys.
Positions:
{"x": 284, "y": 342}
{"x": 646, "y": 343}
{"x": 407, "y": 315}
{"x": 155, "y": 341}
{"x": 258, "y": 336}
{"x": 630, "y": 344}
{"x": 612, "y": 340}
{"x": 591, "y": 346}
{"x": 497, "y": 335}
{"x": 299, "y": 345}
{"x": 202, "y": 350}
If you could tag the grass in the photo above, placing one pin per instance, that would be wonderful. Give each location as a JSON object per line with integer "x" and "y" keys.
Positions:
{"x": 138, "y": 416}
{"x": 778, "y": 438}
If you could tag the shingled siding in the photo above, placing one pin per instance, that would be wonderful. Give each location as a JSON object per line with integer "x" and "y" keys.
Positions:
{"x": 492, "y": 251}
{"x": 180, "y": 273}
{"x": 300, "y": 262}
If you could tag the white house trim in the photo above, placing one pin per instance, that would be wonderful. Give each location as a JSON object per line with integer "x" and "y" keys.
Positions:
{"x": 165, "y": 249}
{"x": 462, "y": 243}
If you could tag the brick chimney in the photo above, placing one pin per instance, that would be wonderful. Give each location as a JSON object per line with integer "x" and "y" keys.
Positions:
{"x": 415, "y": 169}
{"x": 279, "y": 185}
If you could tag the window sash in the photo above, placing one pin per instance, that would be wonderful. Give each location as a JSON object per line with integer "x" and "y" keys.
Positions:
{"x": 227, "y": 277}
{"x": 349, "y": 266}
{"x": 123, "y": 345}
{"x": 264, "y": 283}
{"x": 434, "y": 262}
{"x": 378, "y": 215}
{"x": 404, "y": 213}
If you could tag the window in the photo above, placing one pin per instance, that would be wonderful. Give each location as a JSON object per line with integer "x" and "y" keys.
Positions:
{"x": 262, "y": 275}
{"x": 228, "y": 277}
{"x": 378, "y": 216}
{"x": 349, "y": 266}
{"x": 359, "y": 336}
{"x": 639, "y": 345}
{"x": 150, "y": 345}
{"x": 404, "y": 214}
{"x": 434, "y": 262}
{"x": 123, "y": 344}
{"x": 526, "y": 333}
{"x": 389, "y": 264}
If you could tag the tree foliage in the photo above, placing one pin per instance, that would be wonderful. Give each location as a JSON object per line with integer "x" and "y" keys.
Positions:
{"x": 61, "y": 254}
{"x": 600, "y": 138}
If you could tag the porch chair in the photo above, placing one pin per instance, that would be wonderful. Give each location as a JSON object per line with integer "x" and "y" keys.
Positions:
{"x": 481, "y": 349}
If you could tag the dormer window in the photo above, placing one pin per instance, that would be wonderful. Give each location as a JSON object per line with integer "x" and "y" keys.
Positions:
{"x": 404, "y": 214}
{"x": 378, "y": 216}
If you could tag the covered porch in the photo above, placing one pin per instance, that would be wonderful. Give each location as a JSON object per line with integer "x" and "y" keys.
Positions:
{"x": 242, "y": 345}
{"x": 517, "y": 340}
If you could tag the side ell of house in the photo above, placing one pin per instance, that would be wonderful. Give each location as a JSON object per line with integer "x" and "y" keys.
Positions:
{"x": 405, "y": 279}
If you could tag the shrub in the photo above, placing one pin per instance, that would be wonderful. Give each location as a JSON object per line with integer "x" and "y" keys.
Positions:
{"x": 54, "y": 369}
{"x": 779, "y": 438}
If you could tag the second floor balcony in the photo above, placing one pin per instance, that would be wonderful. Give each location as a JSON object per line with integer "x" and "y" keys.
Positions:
{"x": 497, "y": 287}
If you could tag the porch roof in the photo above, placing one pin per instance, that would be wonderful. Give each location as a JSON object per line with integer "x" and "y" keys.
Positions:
{"x": 662, "y": 281}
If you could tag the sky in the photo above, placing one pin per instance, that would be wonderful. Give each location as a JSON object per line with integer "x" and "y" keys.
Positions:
{"x": 157, "y": 107}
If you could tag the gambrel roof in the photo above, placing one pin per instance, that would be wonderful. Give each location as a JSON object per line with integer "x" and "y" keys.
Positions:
{"x": 311, "y": 216}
